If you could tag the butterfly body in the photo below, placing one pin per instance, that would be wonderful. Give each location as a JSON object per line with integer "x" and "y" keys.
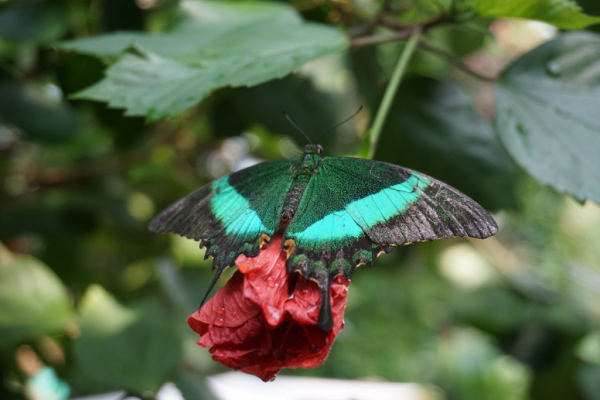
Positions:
{"x": 336, "y": 213}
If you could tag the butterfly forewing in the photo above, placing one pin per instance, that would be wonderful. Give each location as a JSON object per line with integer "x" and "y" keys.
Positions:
{"x": 231, "y": 215}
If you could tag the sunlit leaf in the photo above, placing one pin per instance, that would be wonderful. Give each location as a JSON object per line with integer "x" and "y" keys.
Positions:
{"x": 565, "y": 14}
{"x": 33, "y": 300}
{"x": 163, "y": 75}
{"x": 123, "y": 348}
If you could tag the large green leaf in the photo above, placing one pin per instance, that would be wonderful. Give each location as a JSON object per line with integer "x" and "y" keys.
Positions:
{"x": 121, "y": 348}
{"x": 163, "y": 75}
{"x": 433, "y": 128}
{"x": 565, "y": 14}
{"x": 547, "y": 106}
{"x": 33, "y": 300}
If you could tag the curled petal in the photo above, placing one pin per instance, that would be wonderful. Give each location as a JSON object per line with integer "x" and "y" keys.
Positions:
{"x": 227, "y": 308}
{"x": 266, "y": 281}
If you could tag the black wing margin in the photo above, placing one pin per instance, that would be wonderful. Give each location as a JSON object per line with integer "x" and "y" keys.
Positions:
{"x": 440, "y": 211}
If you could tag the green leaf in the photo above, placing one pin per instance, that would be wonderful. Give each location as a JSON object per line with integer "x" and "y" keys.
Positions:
{"x": 547, "y": 106}
{"x": 163, "y": 75}
{"x": 102, "y": 315}
{"x": 33, "y": 300}
{"x": 433, "y": 128}
{"x": 121, "y": 348}
{"x": 565, "y": 14}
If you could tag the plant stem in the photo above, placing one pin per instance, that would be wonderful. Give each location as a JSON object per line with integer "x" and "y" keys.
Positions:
{"x": 457, "y": 62}
{"x": 377, "y": 39}
{"x": 400, "y": 31}
{"x": 372, "y": 139}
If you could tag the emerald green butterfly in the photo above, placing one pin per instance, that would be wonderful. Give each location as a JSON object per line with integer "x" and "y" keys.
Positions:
{"x": 336, "y": 213}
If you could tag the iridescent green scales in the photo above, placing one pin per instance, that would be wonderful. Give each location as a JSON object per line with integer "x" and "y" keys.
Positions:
{"x": 334, "y": 214}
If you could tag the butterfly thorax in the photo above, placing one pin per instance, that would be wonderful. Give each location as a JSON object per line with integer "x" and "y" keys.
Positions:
{"x": 308, "y": 163}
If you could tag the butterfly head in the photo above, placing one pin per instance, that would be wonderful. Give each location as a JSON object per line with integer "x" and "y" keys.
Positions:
{"x": 313, "y": 149}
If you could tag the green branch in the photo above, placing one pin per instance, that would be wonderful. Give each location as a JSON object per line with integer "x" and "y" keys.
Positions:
{"x": 371, "y": 140}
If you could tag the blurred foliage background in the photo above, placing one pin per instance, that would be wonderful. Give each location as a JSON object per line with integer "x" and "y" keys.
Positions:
{"x": 101, "y": 130}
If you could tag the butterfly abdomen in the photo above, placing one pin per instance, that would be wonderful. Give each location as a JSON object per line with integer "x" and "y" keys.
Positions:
{"x": 293, "y": 197}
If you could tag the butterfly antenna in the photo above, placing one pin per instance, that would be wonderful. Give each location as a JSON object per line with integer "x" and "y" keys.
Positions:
{"x": 211, "y": 286}
{"x": 341, "y": 123}
{"x": 296, "y": 126}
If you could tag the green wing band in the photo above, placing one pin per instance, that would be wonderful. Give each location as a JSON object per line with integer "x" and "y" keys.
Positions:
{"x": 343, "y": 227}
{"x": 231, "y": 215}
{"x": 234, "y": 212}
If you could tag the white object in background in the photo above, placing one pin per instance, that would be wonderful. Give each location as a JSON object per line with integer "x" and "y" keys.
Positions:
{"x": 240, "y": 386}
{"x": 168, "y": 391}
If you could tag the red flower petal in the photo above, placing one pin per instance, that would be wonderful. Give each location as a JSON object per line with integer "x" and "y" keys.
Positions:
{"x": 266, "y": 280}
{"x": 228, "y": 307}
{"x": 253, "y": 324}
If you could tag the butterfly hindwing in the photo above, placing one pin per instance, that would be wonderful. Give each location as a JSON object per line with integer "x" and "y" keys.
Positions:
{"x": 233, "y": 215}
{"x": 415, "y": 207}
{"x": 354, "y": 209}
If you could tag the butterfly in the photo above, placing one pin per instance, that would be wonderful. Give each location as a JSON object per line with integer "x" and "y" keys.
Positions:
{"x": 336, "y": 213}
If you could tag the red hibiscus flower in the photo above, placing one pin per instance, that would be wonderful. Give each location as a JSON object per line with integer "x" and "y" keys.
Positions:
{"x": 265, "y": 319}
